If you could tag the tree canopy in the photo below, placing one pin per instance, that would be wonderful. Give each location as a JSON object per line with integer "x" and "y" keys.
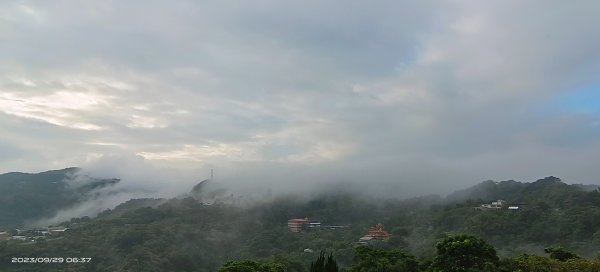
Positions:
{"x": 252, "y": 266}
{"x": 464, "y": 253}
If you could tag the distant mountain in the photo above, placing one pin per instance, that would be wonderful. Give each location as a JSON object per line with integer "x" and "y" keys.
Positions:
{"x": 207, "y": 191}
{"x": 587, "y": 187}
{"x": 203, "y": 229}
{"x": 25, "y": 197}
{"x": 510, "y": 190}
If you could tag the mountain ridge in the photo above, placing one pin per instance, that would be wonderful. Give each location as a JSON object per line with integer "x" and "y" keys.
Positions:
{"x": 512, "y": 190}
{"x": 30, "y": 196}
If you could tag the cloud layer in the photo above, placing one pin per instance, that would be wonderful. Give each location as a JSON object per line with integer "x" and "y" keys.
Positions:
{"x": 431, "y": 95}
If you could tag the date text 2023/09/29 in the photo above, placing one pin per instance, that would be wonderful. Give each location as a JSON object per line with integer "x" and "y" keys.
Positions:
{"x": 50, "y": 260}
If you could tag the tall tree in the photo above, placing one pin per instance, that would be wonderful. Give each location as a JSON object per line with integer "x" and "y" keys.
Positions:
{"x": 464, "y": 253}
{"x": 561, "y": 254}
{"x": 323, "y": 264}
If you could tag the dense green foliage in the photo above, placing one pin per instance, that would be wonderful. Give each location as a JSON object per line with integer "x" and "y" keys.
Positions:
{"x": 559, "y": 253}
{"x": 532, "y": 263}
{"x": 323, "y": 264}
{"x": 551, "y": 213}
{"x": 252, "y": 266}
{"x": 25, "y": 197}
{"x": 464, "y": 253}
{"x": 187, "y": 235}
{"x": 367, "y": 259}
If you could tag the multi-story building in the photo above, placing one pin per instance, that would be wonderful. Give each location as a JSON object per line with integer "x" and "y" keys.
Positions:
{"x": 4, "y": 235}
{"x": 299, "y": 224}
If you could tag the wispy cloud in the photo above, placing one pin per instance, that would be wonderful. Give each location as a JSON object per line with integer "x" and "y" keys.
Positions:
{"x": 437, "y": 92}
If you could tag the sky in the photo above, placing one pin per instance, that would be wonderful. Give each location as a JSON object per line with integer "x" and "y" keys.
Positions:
{"x": 429, "y": 96}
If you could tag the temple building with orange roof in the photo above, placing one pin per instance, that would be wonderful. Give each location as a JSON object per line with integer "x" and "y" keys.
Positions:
{"x": 375, "y": 233}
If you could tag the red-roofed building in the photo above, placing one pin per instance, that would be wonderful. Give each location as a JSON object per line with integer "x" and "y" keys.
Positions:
{"x": 299, "y": 224}
{"x": 378, "y": 233}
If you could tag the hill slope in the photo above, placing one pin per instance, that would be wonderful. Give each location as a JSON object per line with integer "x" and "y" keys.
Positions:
{"x": 187, "y": 234}
{"x": 26, "y": 196}
{"x": 549, "y": 188}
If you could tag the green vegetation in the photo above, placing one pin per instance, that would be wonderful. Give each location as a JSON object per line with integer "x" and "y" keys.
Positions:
{"x": 559, "y": 253}
{"x": 465, "y": 253}
{"x": 323, "y": 264}
{"x": 26, "y": 197}
{"x": 252, "y": 266}
{"x": 460, "y": 253}
{"x": 554, "y": 218}
{"x": 532, "y": 263}
{"x": 367, "y": 259}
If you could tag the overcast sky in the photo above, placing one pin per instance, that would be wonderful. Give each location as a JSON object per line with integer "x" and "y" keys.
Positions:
{"x": 430, "y": 94}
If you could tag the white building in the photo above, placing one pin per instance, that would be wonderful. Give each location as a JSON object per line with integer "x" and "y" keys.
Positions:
{"x": 365, "y": 240}
{"x": 4, "y": 235}
{"x": 494, "y": 205}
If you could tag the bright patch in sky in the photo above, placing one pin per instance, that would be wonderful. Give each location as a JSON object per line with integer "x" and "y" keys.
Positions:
{"x": 438, "y": 91}
{"x": 585, "y": 100}
{"x": 58, "y": 108}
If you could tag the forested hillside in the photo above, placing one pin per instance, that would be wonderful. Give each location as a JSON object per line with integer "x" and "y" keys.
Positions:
{"x": 188, "y": 235}
{"x": 25, "y": 197}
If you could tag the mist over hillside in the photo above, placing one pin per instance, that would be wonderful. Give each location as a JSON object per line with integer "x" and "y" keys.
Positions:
{"x": 252, "y": 135}
{"x": 208, "y": 225}
{"x": 50, "y": 197}
{"x": 55, "y": 196}
{"x": 26, "y": 198}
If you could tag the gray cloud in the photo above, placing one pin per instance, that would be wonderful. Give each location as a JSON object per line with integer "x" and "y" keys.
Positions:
{"x": 426, "y": 95}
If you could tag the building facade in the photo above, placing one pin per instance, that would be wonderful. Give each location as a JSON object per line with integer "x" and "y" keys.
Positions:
{"x": 378, "y": 233}
{"x": 297, "y": 224}
{"x": 4, "y": 235}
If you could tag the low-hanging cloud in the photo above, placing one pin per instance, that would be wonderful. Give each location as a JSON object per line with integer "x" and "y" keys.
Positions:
{"x": 137, "y": 178}
{"x": 426, "y": 96}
